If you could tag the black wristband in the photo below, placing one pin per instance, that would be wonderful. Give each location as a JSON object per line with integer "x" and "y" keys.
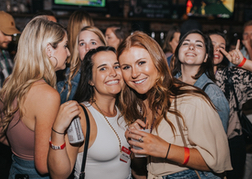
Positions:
{"x": 168, "y": 151}
{"x": 57, "y": 132}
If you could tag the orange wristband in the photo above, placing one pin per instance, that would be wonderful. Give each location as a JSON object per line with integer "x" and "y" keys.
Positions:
{"x": 186, "y": 156}
{"x": 242, "y": 63}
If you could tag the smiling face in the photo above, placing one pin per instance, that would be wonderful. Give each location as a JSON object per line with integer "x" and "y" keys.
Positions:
{"x": 192, "y": 50}
{"x": 106, "y": 74}
{"x": 87, "y": 40}
{"x": 218, "y": 42}
{"x": 138, "y": 69}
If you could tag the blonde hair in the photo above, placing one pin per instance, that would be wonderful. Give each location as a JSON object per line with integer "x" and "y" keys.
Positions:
{"x": 77, "y": 21}
{"x": 76, "y": 61}
{"x": 31, "y": 64}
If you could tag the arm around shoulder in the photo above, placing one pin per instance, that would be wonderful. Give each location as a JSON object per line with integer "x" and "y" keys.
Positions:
{"x": 247, "y": 65}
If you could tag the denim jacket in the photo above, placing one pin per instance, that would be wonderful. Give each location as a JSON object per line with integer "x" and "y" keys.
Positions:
{"x": 217, "y": 97}
{"x": 62, "y": 85}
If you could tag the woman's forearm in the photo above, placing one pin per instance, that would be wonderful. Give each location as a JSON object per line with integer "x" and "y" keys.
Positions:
{"x": 196, "y": 161}
{"x": 58, "y": 160}
{"x": 248, "y": 65}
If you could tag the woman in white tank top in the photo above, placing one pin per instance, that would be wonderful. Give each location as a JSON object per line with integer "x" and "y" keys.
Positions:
{"x": 100, "y": 82}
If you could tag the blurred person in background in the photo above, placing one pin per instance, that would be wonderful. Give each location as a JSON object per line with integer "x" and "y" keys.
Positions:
{"x": 241, "y": 81}
{"x": 171, "y": 42}
{"x": 49, "y": 14}
{"x": 89, "y": 37}
{"x": 77, "y": 20}
{"x": 114, "y": 35}
{"x": 7, "y": 29}
{"x": 247, "y": 40}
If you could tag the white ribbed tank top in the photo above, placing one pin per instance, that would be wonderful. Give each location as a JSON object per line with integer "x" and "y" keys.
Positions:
{"x": 103, "y": 157}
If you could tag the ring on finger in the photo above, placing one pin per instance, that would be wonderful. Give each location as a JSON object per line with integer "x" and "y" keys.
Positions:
{"x": 141, "y": 139}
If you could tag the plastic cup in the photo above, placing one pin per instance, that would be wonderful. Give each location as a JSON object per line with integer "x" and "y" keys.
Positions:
{"x": 139, "y": 148}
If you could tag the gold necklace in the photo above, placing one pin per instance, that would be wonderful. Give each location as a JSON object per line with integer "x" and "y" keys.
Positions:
{"x": 120, "y": 145}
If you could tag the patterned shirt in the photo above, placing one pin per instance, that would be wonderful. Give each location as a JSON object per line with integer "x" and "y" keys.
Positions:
{"x": 6, "y": 66}
{"x": 242, "y": 81}
{"x": 244, "y": 53}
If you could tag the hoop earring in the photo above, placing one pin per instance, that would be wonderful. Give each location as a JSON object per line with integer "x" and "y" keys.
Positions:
{"x": 55, "y": 60}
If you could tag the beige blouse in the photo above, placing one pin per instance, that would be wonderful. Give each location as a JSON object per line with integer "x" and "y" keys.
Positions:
{"x": 203, "y": 130}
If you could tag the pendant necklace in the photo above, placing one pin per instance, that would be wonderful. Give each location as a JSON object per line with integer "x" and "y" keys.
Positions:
{"x": 120, "y": 146}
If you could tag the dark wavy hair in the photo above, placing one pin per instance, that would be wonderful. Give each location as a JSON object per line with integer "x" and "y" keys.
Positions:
{"x": 206, "y": 67}
{"x": 85, "y": 91}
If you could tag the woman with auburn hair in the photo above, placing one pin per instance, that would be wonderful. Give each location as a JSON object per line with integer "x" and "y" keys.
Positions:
{"x": 29, "y": 100}
{"x": 174, "y": 111}
{"x": 89, "y": 37}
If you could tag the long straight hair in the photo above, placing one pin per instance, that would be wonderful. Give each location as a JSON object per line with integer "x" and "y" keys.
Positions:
{"x": 31, "y": 64}
{"x": 77, "y": 20}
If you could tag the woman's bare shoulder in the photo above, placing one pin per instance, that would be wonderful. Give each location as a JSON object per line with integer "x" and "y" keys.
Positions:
{"x": 41, "y": 92}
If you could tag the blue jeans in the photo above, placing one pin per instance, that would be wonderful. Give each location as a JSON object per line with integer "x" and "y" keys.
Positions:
{"x": 191, "y": 174}
{"x": 21, "y": 166}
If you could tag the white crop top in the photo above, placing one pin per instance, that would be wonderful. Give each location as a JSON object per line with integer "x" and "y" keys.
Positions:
{"x": 103, "y": 157}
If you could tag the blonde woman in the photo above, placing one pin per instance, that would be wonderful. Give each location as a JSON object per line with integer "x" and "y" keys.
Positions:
{"x": 29, "y": 100}
{"x": 77, "y": 21}
{"x": 89, "y": 37}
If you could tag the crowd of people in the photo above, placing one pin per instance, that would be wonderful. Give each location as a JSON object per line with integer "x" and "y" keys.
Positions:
{"x": 183, "y": 93}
